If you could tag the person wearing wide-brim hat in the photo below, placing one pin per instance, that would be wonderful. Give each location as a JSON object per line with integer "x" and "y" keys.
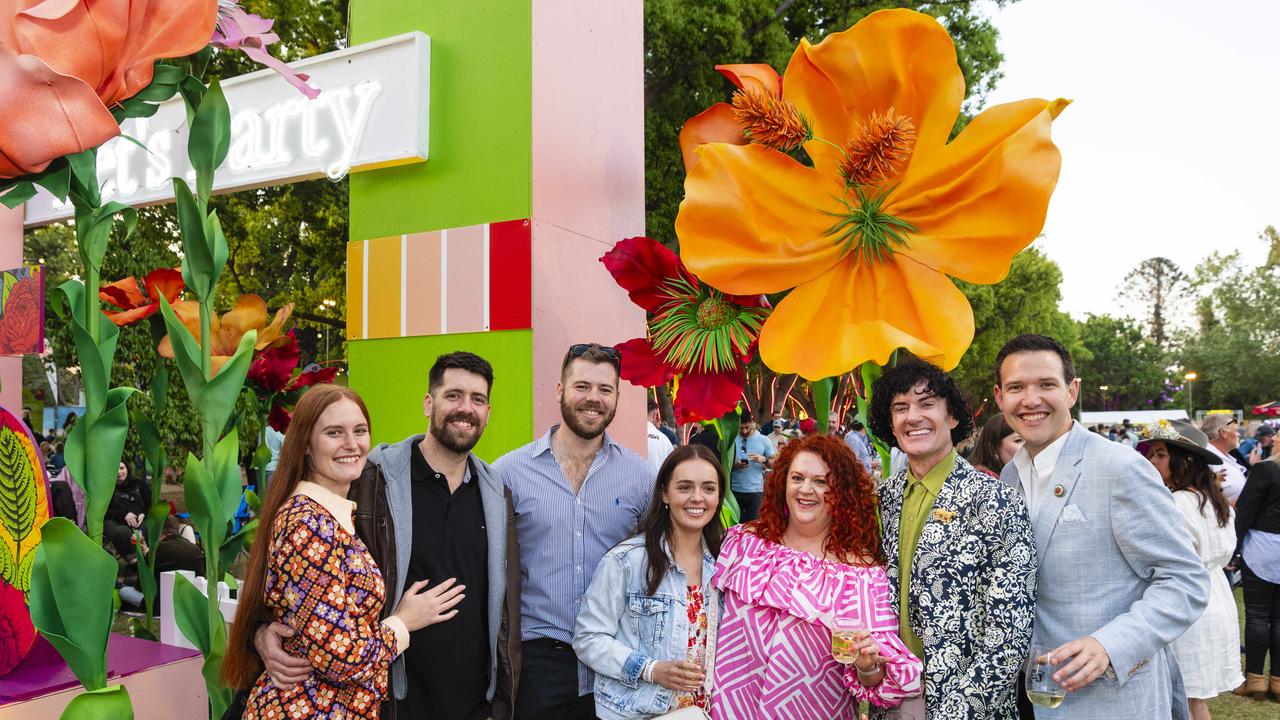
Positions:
{"x": 1209, "y": 652}
{"x": 1181, "y": 434}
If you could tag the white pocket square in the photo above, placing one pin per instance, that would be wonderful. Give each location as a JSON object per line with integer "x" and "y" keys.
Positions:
{"x": 1072, "y": 513}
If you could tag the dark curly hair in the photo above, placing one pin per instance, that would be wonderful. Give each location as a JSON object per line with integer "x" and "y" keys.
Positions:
{"x": 854, "y": 535}
{"x": 903, "y": 379}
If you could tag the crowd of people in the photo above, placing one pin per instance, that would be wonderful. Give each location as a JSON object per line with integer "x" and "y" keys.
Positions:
{"x": 572, "y": 578}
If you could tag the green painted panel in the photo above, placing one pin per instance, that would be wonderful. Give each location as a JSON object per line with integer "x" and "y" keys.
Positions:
{"x": 391, "y": 375}
{"x": 481, "y": 127}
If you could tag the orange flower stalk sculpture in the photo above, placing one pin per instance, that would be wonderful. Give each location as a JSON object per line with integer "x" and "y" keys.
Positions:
{"x": 867, "y": 236}
{"x": 250, "y": 313}
{"x": 63, "y": 65}
{"x": 133, "y": 303}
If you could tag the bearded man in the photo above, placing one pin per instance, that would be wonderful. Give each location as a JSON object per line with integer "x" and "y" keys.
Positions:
{"x": 429, "y": 509}
{"x": 577, "y": 494}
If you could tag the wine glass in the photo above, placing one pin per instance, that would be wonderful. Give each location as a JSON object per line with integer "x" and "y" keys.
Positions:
{"x": 1042, "y": 689}
{"x": 842, "y": 639}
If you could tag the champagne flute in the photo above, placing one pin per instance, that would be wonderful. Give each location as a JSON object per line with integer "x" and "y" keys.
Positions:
{"x": 1042, "y": 689}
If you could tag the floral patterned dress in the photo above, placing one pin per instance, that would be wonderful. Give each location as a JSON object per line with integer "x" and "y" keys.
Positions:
{"x": 322, "y": 582}
{"x": 697, "y": 645}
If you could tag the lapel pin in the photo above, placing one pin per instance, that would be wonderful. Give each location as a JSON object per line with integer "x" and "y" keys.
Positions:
{"x": 1058, "y": 490}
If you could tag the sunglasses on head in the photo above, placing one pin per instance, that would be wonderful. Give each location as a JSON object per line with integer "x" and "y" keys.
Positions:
{"x": 610, "y": 354}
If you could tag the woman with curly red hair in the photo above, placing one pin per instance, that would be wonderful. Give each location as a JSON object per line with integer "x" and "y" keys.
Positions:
{"x": 810, "y": 565}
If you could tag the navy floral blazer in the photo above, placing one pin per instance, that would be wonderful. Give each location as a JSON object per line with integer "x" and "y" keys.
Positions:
{"x": 972, "y": 591}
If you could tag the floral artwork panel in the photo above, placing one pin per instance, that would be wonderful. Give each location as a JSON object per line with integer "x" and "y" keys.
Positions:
{"x": 22, "y": 311}
{"x": 24, "y": 507}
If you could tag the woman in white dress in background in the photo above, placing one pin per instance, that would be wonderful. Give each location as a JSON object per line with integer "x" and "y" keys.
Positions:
{"x": 1209, "y": 652}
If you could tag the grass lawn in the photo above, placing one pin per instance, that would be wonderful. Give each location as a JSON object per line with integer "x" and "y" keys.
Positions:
{"x": 1231, "y": 707}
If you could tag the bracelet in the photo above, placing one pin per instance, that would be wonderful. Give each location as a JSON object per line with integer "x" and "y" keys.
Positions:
{"x": 646, "y": 673}
{"x": 868, "y": 673}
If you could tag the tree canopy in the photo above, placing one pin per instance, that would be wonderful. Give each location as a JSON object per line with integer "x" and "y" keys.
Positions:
{"x": 1131, "y": 366}
{"x": 1159, "y": 289}
{"x": 1235, "y": 348}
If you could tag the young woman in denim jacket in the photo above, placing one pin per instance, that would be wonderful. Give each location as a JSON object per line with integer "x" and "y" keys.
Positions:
{"x": 648, "y": 622}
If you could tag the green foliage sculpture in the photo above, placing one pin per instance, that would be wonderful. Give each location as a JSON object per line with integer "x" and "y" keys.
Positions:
{"x": 211, "y": 483}
{"x": 81, "y": 71}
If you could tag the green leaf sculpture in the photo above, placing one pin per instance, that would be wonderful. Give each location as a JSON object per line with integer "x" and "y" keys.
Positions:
{"x": 71, "y": 589}
{"x": 108, "y": 703}
{"x": 210, "y": 137}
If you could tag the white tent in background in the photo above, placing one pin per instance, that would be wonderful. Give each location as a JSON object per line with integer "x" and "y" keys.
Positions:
{"x": 1136, "y": 417}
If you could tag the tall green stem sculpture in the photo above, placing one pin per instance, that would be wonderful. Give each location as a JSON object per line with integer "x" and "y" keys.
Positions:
{"x": 212, "y": 481}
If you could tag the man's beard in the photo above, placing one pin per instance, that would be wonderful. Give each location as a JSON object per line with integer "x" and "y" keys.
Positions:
{"x": 584, "y": 431}
{"x": 453, "y": 440}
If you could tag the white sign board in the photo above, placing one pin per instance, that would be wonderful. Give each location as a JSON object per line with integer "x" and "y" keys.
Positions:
{"x": 372, "y": 112}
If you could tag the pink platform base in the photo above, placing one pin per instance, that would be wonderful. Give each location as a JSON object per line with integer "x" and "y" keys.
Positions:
{"x": 163, "y": 681}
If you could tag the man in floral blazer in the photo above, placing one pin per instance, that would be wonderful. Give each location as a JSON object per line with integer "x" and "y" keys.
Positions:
{"x": 959, "y": 548}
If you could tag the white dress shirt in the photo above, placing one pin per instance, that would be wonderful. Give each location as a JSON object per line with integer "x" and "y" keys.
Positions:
{"x": 1233, "y": 483}
{"x": 1035, "y": 473}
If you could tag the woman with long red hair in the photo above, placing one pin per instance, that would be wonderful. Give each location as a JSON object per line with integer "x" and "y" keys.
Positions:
{"x": 309, "y": 570}
{"x": 808, "y": 572}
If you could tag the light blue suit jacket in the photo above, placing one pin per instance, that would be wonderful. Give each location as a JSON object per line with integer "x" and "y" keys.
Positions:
{"x": 1115, "y": 564}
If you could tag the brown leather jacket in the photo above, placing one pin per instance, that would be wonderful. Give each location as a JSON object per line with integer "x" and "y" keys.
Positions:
{"x": 376, "y": 527}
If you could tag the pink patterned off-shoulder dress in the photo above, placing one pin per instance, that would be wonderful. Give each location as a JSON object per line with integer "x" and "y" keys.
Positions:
{"x": 773, "y": 657}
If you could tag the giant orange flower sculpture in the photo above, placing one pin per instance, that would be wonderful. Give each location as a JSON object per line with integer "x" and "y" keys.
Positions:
{"x": 250, "y": 313}
{"x": 867, "y": 236}
{"x": 64, "y": 63}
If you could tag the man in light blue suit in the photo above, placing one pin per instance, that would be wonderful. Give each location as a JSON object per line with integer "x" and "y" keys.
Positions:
{"x": 1118, "y": 579}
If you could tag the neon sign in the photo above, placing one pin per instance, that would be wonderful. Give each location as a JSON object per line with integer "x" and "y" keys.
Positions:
{"x": 372, "y": 112}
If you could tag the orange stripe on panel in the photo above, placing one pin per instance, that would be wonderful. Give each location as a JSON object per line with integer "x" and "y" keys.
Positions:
{"x": 422, "y": 280}
{"x": 465, "y": 292}
{"x": 384, "y": 288}
{"x": 355, "y": 290}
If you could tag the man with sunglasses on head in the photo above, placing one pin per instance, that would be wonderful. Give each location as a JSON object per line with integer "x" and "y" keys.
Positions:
{"x": 1223, "y": 440}
{"x": 577, "y": 493}
{"x": 752, "y": 457}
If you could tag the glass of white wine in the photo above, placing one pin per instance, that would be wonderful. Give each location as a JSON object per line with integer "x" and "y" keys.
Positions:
{"x": 1042, "y": 689}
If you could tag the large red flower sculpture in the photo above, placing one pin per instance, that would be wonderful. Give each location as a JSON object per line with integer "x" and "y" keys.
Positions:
{"x": 272, "y": 375}
{"x": 696, "y": 333}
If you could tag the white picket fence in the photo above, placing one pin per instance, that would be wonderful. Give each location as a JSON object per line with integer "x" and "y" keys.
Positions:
{"x": 169, "y": 632}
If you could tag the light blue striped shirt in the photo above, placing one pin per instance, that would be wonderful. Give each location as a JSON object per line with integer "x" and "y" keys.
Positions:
{"x": 563, "y": 536}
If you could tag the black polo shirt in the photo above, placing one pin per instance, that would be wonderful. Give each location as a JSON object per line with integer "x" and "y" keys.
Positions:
{"x": 448, "y": 663}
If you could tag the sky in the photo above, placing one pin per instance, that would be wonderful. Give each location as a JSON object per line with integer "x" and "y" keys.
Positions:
{"x": 1172, "y": 144}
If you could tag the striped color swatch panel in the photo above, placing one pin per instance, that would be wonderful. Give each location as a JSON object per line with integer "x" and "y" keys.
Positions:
{"x": 460, "y": 280}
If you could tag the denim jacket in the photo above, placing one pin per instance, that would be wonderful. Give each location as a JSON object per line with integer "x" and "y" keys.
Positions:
{"x": 620, "y": 628}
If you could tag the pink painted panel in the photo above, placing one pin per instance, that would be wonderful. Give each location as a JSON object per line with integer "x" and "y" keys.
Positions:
{"x": 10, "y": 256}
{"x": 422, "y": 284}
{"x": 588, "y": 116}
{"x": 574, "y": 301}
{"x": 466, "y": 279}
{"x": 588, "y": 188}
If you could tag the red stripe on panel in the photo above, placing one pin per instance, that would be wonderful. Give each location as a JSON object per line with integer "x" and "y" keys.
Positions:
{"x": 510, "y": 275}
